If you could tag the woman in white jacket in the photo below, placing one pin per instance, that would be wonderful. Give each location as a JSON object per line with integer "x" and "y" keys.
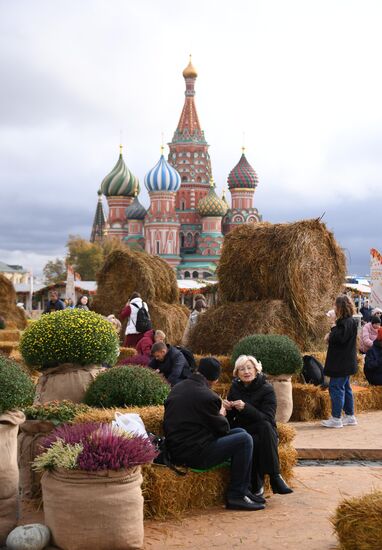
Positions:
{"x": 132, "y": 336}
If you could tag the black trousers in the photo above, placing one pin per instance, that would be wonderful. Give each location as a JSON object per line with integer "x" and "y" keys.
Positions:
{"x": 265, "y": 451}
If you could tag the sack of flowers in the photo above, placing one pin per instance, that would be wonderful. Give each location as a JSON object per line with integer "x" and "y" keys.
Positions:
{"x": 16, "y": 391}
{"x": 40, "y": 420}
{"x": 69, "y": 348}
{"x": 280, "y": 359}
{"x": 91, "y": 486}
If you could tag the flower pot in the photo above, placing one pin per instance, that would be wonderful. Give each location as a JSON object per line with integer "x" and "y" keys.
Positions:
{"x": 32, "y": 432}
{"x": 9, "y": 473}
{"x": 67, "y": 381}
{"x": 98, "y": 510}
{"x": 282, "y": 384}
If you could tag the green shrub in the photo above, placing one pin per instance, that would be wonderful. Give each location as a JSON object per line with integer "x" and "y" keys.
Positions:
{"x": 125, "y": 386}
{"x": 16, "y": 388}
{"x": 70, "y": 336}
{"x": 278, "y": 354}
{"x": 57, "y": 412}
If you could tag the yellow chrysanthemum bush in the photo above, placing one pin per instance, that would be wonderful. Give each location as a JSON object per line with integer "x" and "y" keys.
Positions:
{"x": 69, "y": 336}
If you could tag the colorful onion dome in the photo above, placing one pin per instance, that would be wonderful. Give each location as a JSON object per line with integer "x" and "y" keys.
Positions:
{"x": 120, "y": 182}
{"x": 163, "y": 177}
{"x": 135, "y": 210}
{"x": 211, "y": 204}
{"x": 243, "y": 175}
{"x": 190, "y": 71}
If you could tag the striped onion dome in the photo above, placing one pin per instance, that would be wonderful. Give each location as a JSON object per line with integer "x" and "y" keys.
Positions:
{"x": 135, "y": 210}
{"x": 242, "y": 176}
{"x": 120, "y": 182}
{"x": 163, "y": 177}
{"x": 211, "y": 204}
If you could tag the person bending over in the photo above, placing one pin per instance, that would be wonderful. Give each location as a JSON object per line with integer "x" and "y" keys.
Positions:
{"x": 198, "y": 434}
{"x": 170, "y": 362}
{"x": 251, "y": 404}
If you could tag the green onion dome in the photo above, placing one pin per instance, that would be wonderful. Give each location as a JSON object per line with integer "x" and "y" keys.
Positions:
{"x": 242, "y": 176}
{"x": 135, "y": 211}
{"x": 120, "y": 182}
{"x": 211, "y": 204}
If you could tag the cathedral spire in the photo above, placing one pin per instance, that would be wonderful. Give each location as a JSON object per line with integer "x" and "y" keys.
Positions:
{"x": 189, "y": 126}
{"x": 99, "y": 222}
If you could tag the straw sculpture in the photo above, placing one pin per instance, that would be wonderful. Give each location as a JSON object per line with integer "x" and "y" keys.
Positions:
{"x": 299, "y": 263}
{"x": 14, "y": 316}
{"x": 221, "y": 327}
{"x": 357, "y": 522}
{"x": 127, "y": 271}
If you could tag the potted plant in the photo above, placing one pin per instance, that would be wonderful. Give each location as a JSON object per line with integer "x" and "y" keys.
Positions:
{"x": 127, "y": 386}
{"x": 91, "y": 486}
{"x": 69, "y": 348}
{"x": 40, "y": 420}
{"x": 280, "y": 358}
{"x": 16, "y": 391}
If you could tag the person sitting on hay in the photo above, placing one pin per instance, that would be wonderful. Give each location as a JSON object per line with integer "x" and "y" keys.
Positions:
{"x": 169, "y": 361}
{"x": 134, "y": 332}
{"x": 373, "y": 362}
{"x": 369, "y": 333}
{"x": 198, "y": 434}
{"x": 251, "y": 404}
{"x": 341, "y": 363}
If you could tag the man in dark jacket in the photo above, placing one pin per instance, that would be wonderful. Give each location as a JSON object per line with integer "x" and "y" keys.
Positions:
{"x": 198, "y": 434}
{"x": 54, "y": 303}
{"x": 170, "y": 362}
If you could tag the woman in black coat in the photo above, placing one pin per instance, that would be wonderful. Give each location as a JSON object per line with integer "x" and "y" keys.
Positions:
{"x": 251, "y": 404}
{"x": 341, "y": 363}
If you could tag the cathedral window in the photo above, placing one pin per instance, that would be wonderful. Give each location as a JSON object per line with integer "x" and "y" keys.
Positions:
{"x": 157, "y": 247}
{"x": 195, "y": 274}
{"x": 183, "y": 205}
{"x": 186, "y": 274}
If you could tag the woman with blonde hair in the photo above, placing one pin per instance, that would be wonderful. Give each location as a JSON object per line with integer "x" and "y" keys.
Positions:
{"x": 251, "y": 404}
{"x": 341, "y": 363}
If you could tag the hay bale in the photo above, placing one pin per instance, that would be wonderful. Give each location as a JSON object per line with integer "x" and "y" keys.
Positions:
{"x": 171, "y": 318}
{"x": 227, "y": 368}
{"x": 308, "y": 401}
{"x": 126, "y": 271}
{"x": 152, "y": 416}
{"x": 125, "y": 353}
{"x": 221, "y": 327}
{"x": 357, "y": 522}
{"x": 14, "y": 316}
{"x": 299, "y": 263}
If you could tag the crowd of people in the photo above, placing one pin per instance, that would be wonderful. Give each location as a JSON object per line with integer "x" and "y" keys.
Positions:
{"x": 202, "y": 430}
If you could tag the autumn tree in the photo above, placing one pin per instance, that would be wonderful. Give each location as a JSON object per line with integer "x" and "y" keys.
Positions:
{"x": 87, "y": 258}
{"x": 54, "y": 271}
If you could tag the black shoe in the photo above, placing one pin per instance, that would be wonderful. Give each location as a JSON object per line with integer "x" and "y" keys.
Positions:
{"x": 243, "y": 503}
{"x": 256, "y": 498}
{"x": 279, "y": 486}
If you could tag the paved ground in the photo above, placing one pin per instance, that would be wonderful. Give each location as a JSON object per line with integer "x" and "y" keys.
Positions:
{"x": 292, "y": 522}
{"x": 362, "y": 441}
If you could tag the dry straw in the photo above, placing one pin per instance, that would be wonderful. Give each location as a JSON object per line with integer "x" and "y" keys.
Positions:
{"x": 13, "y": 315}
{"x": 220, "y": 328}
{"x": 299, "y": 263}
{"x": 357, "y": 522}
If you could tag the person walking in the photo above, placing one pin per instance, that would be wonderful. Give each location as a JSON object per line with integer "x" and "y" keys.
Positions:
{"x": 198, "y": 434}
{"x": 341, "y": 363}
{"x": 137, "y": 313}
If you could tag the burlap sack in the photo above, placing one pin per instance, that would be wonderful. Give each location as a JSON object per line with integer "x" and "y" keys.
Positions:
{"x": 31, "y": 434}
{"x": 282, "y": 385}
{"x": 94, "y": 510}
{"x": 9, "y": 473}
{"x": 67, "y": 381}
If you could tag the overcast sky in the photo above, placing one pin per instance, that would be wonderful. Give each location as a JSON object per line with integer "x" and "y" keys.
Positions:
{"x": 301, "y": 78}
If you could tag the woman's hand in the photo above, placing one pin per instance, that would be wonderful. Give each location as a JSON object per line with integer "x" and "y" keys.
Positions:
{"x": 223, "y": 412}
{"x": 227, "y": 405}
{"x": 239, "y": 404}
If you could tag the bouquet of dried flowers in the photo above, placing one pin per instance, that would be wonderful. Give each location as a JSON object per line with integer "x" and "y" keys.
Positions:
{"x": 92, "y": 447}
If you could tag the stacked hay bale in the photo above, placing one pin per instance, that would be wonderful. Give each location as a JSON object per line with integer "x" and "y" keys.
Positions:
{"x": 170, "y": 495}
{"x": 13, "y": 315}
{"x": 127, "y": 271}
{"x": 273, "y": 278}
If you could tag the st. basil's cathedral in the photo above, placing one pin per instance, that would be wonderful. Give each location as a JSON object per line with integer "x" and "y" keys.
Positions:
{"x": 186, "y": 221}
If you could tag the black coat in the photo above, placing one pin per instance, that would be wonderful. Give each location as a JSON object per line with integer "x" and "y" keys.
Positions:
{"x": 174, "y": 367}
{"x": 260, "y": 403}
{"x": 192, "y": 419}
{"x": 58, "y": 305}
{"x": 373, "y": 363}
{"x": 341, "y": 358}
